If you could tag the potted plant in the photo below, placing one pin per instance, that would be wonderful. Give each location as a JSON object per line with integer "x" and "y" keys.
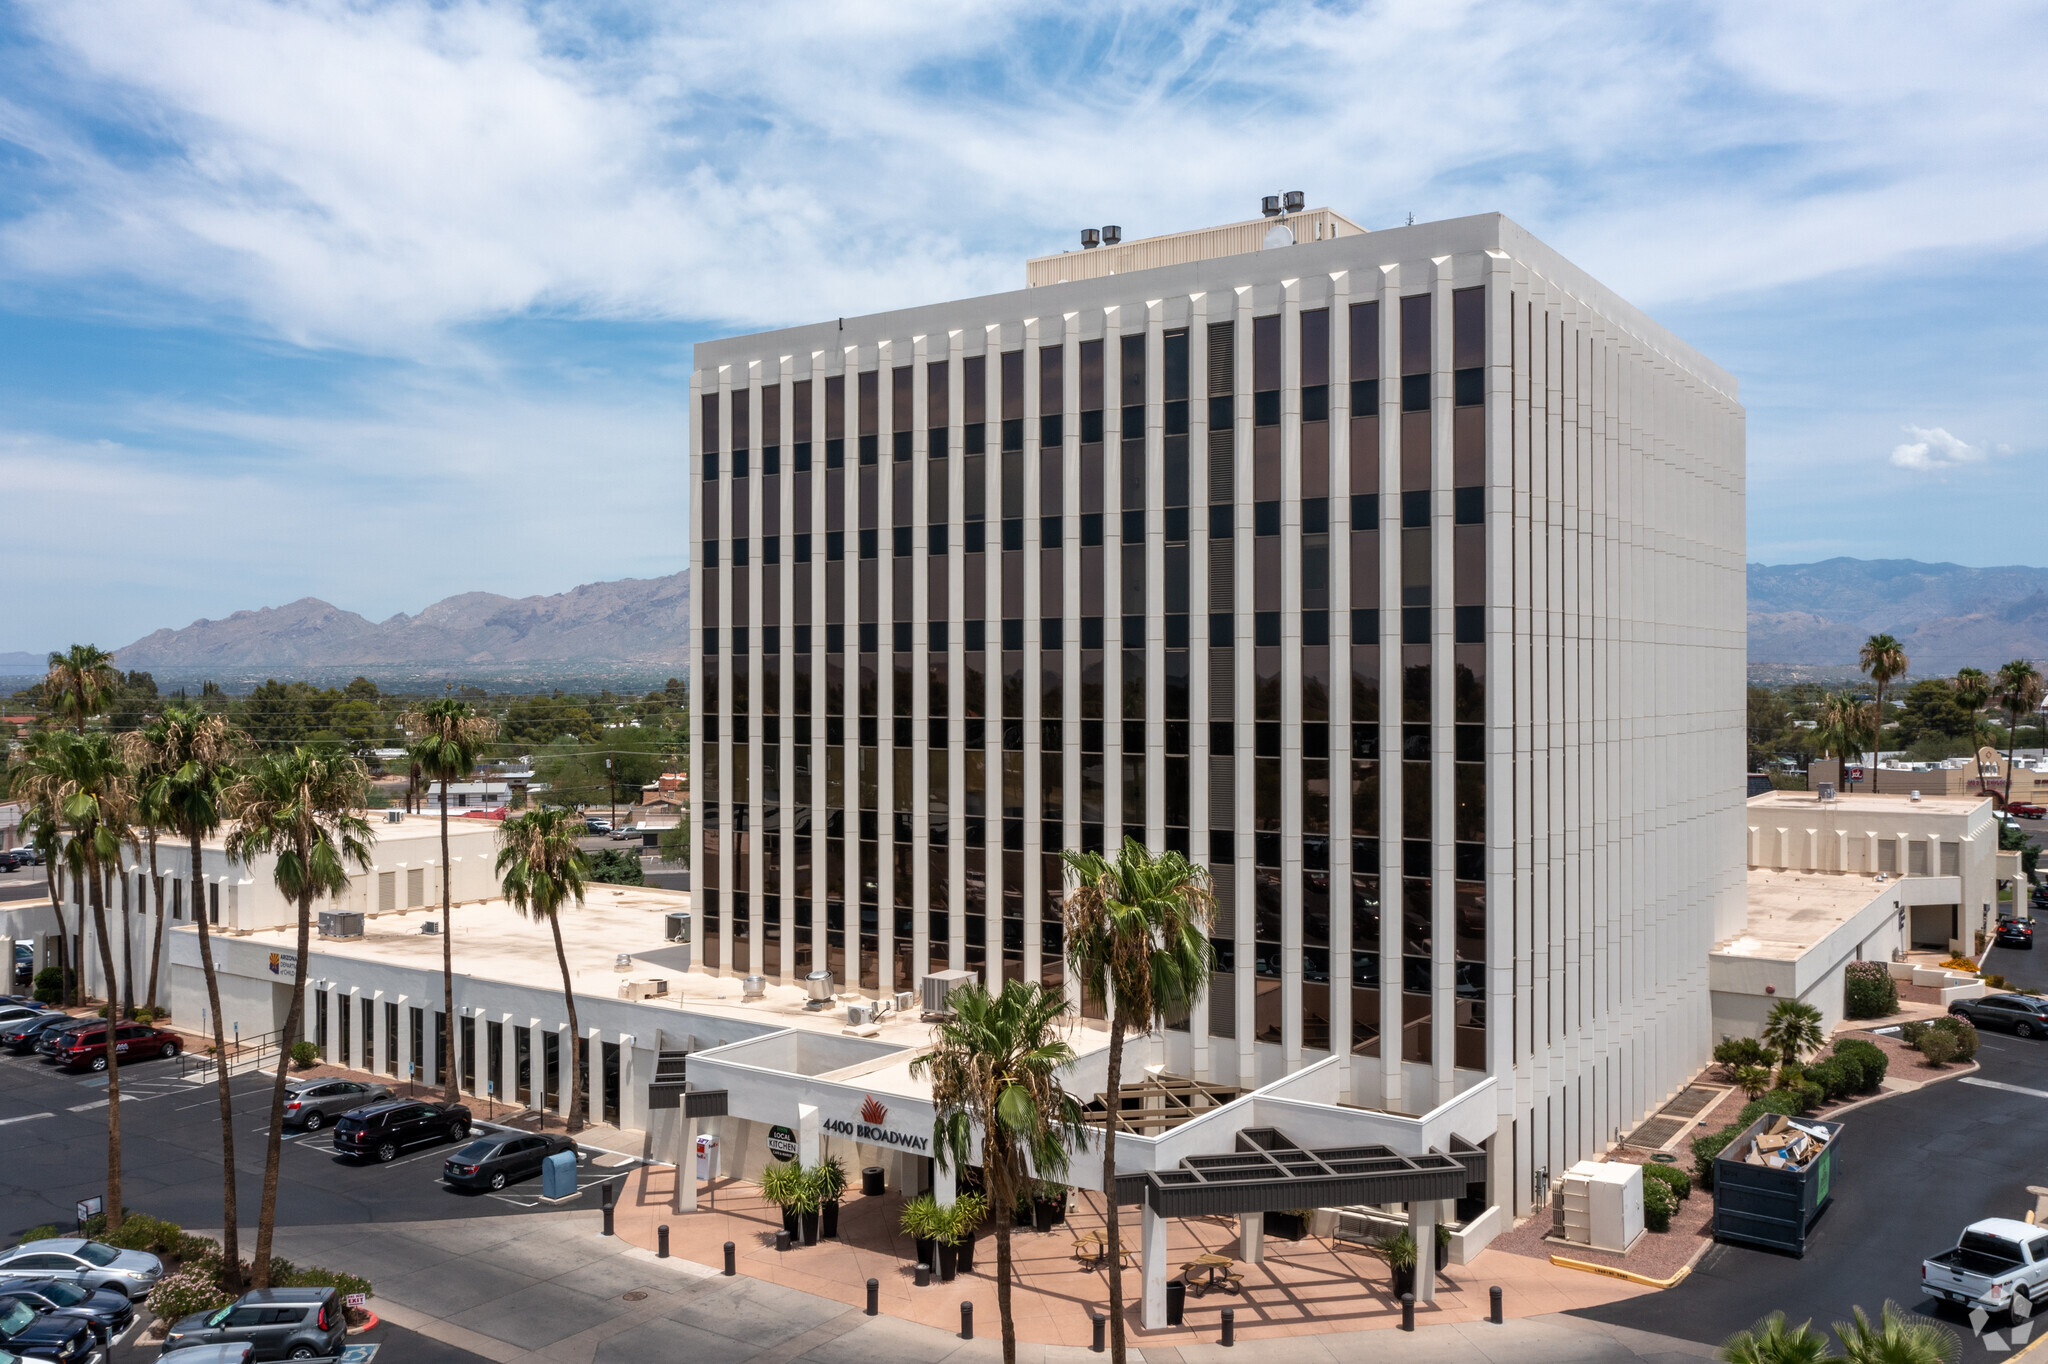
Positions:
{"x": 1398, "y": 1251}
{"x": 968, "y": 1211}
{"x": 1443, "y": 1246}
{"x": 1289, "y": 1225}
{"x": 948, "y": 1243}
{"x": 921, "y": 1223}
{"x": 832, "y": 1184}
{"x": 807, "y": 1203}
{"x": 784, "y": 1185}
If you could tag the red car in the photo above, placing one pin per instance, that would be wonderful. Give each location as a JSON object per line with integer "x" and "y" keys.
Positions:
{"x": 2021, "y": 809}
{"x": 86, "y": 1048}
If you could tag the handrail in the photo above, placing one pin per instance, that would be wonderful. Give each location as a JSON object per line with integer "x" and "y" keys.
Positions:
{"x": 243, "y": 1054}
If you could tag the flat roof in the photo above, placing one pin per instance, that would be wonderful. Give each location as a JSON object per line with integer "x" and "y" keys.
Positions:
{"x": 1863, "y": 802}
{"x": 1790, "y": 912}
{"x": 405, "y": 829}
{"x": 494, "y": 942}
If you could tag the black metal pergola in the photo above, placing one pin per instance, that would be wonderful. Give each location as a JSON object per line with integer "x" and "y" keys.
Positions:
{"x": 1268, "y": 1172}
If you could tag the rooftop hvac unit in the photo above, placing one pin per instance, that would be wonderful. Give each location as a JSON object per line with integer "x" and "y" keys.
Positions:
{"x": 753, "y": 987}
{"x": 430, "y": 926}
{"x": 861, "y": 1014}
{"x": 905, "y": 1001}
{"x": 1827, "y": 790}
{"x": 818, "y": 989}
{"x": 678, "y": 925}
{"x": 643, "y": 989}
{"x": 341, "y": 923}
{"x": 938, "y": 985}
{"x": 394, "y": 816}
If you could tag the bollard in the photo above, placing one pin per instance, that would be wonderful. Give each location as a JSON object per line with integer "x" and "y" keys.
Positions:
{"x": 966, "y": 1321}
{"x": 661, "y": 1242}
{"x": 731, "y": 1261}
{"x": 782, "y": 1238}
{"x": 1099, "y": 1323}
{"x": 607, "y": 1219}
{"x": 604, "y": 1196}
{"x": 1407, "y": 1311}
{"x": 924, "y": 1275}
{"x": 1229, "y": 1326}
{"x": 1493, "y": 1293}
{"x": 874, "y": 1296}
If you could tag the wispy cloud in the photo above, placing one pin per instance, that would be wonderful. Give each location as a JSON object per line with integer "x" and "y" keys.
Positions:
{"x": 1935, "y": 450}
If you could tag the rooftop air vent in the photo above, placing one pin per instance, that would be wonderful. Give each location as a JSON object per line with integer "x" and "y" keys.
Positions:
{"x": 1090, "y": 239}
{"x": 1827, "y": 790}
{"x": 1294, "y": 202}
{"x": 1112, "y": 234}
{"x": 1270, "y": 206}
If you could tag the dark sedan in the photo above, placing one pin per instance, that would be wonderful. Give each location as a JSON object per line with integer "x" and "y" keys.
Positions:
{"x": 2016, "y": 933}
{"x": 25, "y": 1330}
{"x": 26, "y": 1035}
{"x": 492, "y": 1162}
{"x": 109, "y": 1311}
{"x": 2026, "y": 1015}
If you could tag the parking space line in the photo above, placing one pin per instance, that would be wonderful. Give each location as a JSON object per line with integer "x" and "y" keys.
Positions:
{"x": 26, "y": 1117}
{"x": 2001, "y": 1085}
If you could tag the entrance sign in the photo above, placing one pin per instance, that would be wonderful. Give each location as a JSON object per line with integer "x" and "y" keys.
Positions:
{"x": 782, "y": 1143}
{"x": 873, "y": 1127}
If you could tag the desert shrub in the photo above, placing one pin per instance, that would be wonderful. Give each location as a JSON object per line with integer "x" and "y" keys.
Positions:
{"x": 1741, "y": 1051}
{"x": 1834, "y": 1077}
{"x": 1659, "y": 1202}
{"x": 139, "y": 1231}
{"x": 1996, "y": 981}
{"x": 48, "y": 1231}
{"x": 1789, "y": 1102}
{"x": 1911, "y": 1033}
{"x": 189, "y": 1290}
{"x": 190, "y": 1248}
{"x": 1791, "y": 1075}
{"x": 1679, "y": 1181}
{"x": 1753, "y": 1080}
{"x": 1868, "y": 990}
{"x": 50, "y": 984}
{"x": 313, "y": 1276}
{"x": 1705, "y": 1149}
{"x": 1867, "y": 1059}
{"x": 1938, "y": 1045}
{"x": 1965, "y": 1033}
{"x": 304, "y": 1054}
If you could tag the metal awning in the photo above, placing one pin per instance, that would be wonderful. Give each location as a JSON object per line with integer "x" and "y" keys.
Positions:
{"x": 1160, "y": 1103}
{"x": 1270, "y": 1173}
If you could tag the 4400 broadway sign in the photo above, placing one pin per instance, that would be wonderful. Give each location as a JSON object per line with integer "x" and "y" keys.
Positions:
{"x": 873, "y": 1128}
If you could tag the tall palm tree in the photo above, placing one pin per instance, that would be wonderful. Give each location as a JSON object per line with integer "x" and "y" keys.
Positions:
{"x": 1844, "y": 726}
{"x": 994, "y": 1068}
{"x": 1896, "y": 1339}
{"x": 446, "y": 737}
{"x": 1972, "y": 688}
{"x": 44, "y": 831}
{"x": 541, "y": 870}
{"x": 301, "y": 808}
{"x": 150, "y": 816}
{"x": 1883, "y": 659}
{"x": 79, "y": 682}
{"x": 2016, "y": 691}
{"x": 1137, "y": 932}
{"x": 83, "y": 778}
{"x": 1771, "y": 1341}
{"x": 192, "y": 760}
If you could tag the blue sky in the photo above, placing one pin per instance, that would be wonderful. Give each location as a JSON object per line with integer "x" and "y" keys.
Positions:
{"x": 378, "y": 302}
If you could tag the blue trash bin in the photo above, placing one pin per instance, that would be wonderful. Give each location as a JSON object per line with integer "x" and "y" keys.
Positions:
{"x": 558, "y": 1175}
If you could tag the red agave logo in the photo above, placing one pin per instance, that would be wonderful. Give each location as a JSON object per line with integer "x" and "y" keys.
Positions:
{"x": 872, "y": 1111}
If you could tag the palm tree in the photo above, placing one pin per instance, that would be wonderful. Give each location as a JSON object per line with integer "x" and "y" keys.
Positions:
{"x": 83, "y": 777}
{"x": 1972, "y": 688}
{"x": 149, "y": 813}
{"x": 44, "y": 831}
{"x": 191, "y": 761}
{"x": 1771, "y": 1341}
{"x": 994, "y": 1068}
{"x": 1896, "y": 1339}
{"x": 542, "y": 869}
{"x": 1793, "y": 1029}
{"x": 447, "y": 734}
{"x": 1844, "y": 725}
{"x": 1137, "y": 933}
{"x": 301, "y": 808}
{"x": 1883, "y": 658}
{"x": 79, "y": 682}
{"x": 2016, "y": 691}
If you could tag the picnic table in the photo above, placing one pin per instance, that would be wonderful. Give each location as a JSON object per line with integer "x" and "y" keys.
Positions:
{"x": 1092, "y": 1249}
{"x": 1205, "y": 1272}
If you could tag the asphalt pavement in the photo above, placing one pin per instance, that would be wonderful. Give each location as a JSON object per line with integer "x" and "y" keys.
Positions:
{"x": 1911, "y": 1171}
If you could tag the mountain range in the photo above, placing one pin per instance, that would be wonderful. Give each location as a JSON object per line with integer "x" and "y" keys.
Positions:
{"x": 1801, "y": 616}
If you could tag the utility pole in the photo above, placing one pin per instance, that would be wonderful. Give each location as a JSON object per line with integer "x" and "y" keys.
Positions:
{"x": 613, "y": 782}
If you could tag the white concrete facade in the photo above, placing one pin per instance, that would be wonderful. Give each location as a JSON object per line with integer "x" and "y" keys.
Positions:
{"x": 1611, "y": 609}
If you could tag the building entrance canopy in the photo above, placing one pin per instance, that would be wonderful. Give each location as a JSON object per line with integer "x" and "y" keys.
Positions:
{"x": 1268, "y": 1172}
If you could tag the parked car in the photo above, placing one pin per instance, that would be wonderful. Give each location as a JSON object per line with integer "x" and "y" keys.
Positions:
{"x": 276, "y": 1323}
{"x": 73, "y": 1259}
{"x": 381, "y": 1131}
{"x": 2026, "y": 1015}
{"x": 11, "y": 1014}
{"x": 23, "y": 1037}
{"x": 2026, "y": 809}
{"x": 312, "y": 1104}
{"x": 86, "y": 1048}
{"x": 501, "y": 1158}
{"x": 24, "y": 963}
{"x": 26, "y": 1329}
{"x": 2016, "y": 933}
{"x": 12, "y": 860}
{"x": 598, "y": 826}
{"x": 1995, "y": 1263}
{"x": 110, "y": 1311}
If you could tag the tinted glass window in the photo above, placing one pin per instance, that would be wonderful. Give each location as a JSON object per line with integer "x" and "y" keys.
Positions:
{"x": 476, "y": 1150}
{"x": 92, "y": 1252}
{"x": 64, "y": 1294}
{"x": 15, "y": 1317}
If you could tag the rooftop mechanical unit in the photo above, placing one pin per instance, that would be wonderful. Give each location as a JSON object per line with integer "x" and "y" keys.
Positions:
{"x": 940, "y": 984}
{"x": 753, "y": 987}
{"x": 818, "y": 990}
{"x": 341, "y": 923}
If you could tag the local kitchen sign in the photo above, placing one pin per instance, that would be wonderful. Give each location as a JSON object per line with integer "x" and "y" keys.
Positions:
{"x": 873, "y": 1128}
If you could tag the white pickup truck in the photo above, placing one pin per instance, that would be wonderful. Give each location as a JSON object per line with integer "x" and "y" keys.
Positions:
{"x": 1997, "y": 1263}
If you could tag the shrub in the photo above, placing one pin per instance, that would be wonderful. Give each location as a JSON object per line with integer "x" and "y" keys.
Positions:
{"x": 1658, "y": 1205}
{"x": 1911, "y": 1033}
{"x": 50, "y": 983}
{"x": 313, "y": 1276}
{"x": 922, "y": 1218}
{"x": 1753, "y": 1080}
{"x": 1741, "y": 1051}
{"x": 1835, "y": 1078}
{"x": 305, "y": 1054}
{"x": 1964, "y": 1032}
{"x": 1705, "y": 1149}
{"x": 1996, "y": 981}
{"x": 195, "y": 1289}
{"x": 1868, "y": 990}
{"x": 1938, "y": 1045}
{"x": 140, "y": 1231}
{"x": 1679, "y": 1181}
{"x": 48, "y": 1231}
{"x": 1864, "y": 1063}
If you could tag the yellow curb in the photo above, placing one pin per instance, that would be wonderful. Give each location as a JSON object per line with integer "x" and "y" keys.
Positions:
{"x": 1613, "y": 1273}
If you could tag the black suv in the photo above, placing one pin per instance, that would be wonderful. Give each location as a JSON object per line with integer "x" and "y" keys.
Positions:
{"x": 275, "y": 1323}
{"x": 381, "y": 1131}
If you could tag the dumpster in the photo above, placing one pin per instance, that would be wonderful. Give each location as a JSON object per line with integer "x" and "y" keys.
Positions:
{"x": 1772, "y": 1183}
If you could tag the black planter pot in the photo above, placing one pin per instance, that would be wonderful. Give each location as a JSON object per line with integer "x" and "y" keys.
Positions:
{"x": 830, "y": 1220}
{"x": 949, "y": 1262}
{"x": 967, "y": 1254}
{"x": 1286, "y": 1226}
{"x": 1176, "y": 1301}
{"x": 1048, "y": 1212}
{"x": 790, "y": 1225}
{"x": 809, "y": 1222}
{"x": 1443, "y": 1256}
{"x": 926, "y": 1252}
{"x": 1404, "y": 1281}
